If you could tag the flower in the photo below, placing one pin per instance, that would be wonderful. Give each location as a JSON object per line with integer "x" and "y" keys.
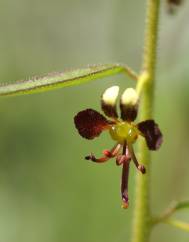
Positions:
{"x": 124, "y": 131}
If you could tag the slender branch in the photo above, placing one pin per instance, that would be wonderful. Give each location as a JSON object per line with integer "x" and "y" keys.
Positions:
{"x": 145, "y": 86}
{"x": 170, "y": 210}
{"x": 177, "y": 223}
{"x": 64, "y": 79}
{"x": 165, "y": 215}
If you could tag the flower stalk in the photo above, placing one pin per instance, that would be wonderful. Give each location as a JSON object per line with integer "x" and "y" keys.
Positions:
{"x": 145, "y": 87}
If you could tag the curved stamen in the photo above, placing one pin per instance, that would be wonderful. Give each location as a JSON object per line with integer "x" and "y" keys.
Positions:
{"x": 113, "y": 152}
{"x": 120, "y": 159}
{"x": 98, "y": 160}
{"x": 140, "y": 167}
{"x": 108, "y": 154}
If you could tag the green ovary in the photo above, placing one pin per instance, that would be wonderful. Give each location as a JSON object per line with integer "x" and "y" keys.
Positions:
{"x": 124, "y": 131}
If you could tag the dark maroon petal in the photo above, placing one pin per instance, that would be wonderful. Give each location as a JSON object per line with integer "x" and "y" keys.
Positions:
{"x": 90, "y": 123}
{"x": 152, "y": 134}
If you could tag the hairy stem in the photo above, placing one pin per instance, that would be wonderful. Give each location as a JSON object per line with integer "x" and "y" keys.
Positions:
{"x": 142, "y": 216}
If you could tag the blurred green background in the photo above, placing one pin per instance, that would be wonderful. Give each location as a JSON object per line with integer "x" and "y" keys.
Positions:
{"x": 48, "y": 192}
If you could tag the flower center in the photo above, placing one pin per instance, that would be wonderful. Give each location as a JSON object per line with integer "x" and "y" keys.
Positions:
{"x": 124, "y": 131}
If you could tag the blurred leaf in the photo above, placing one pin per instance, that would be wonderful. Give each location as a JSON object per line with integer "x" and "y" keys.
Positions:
{"x": 179, "y": 224}
{"x": 63, "y": 79}
{"x": 182, "y": 205}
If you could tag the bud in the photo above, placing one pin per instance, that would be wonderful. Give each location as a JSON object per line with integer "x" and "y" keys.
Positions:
{"x": 174, "y": 2}
{"x": 129, "y": 105}
{"x": 108, "y": 101}
{"x": 172, "y": 5}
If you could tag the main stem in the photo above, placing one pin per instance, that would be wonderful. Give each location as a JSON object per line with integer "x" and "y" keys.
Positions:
{"x": 142, "y": 216}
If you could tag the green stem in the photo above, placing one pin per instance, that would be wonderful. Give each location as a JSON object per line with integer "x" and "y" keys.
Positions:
{"x": 142, "y": 216}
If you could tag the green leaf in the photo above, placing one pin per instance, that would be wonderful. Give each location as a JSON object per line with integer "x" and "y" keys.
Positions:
{"x": 63, "y": 79}
{"x": 178, "y": 224}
